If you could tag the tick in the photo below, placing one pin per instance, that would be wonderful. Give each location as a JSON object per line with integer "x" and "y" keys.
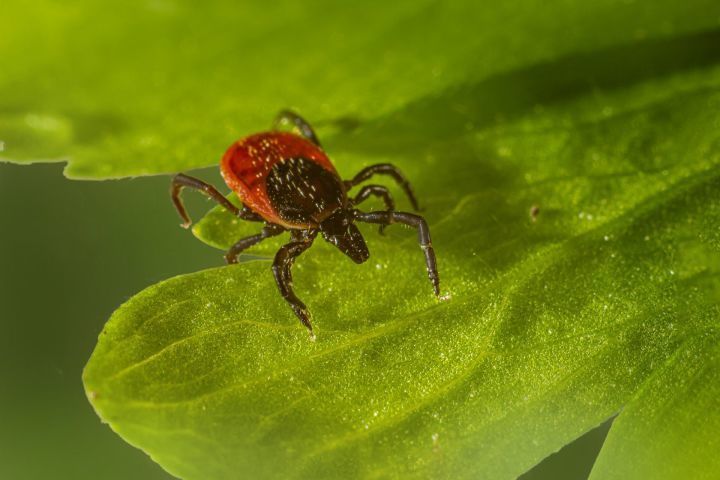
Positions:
{"x": 286, "y": 181}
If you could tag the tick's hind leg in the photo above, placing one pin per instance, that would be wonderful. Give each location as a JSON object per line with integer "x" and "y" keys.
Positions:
{"x": 378, "y": 191}
{"x": 419, "y": 223}
{"x": 298, "y": 122}
{"x": 268, "y": 231}
{"x": 181, "y": 181}
{"x": 385, "y": 169}
{"x": 281, "y": 268}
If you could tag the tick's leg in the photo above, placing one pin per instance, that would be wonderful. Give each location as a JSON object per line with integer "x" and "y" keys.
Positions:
{"x": 385, "y": 169}
{"x": 298, "y": 122}
{"x": 416, "y": 221}
{"x": 181, "y": 181}
{"x": 284, "y": 260}
{"x": 378, "y": 191}
{"x": 268, "y": 231}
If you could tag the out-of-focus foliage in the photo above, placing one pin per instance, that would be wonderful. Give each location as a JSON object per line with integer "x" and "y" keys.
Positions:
{"x": 125, "y": 88}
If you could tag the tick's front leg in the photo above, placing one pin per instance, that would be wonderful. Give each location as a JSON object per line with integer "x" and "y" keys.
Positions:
{"x": 281, "y": 268}
{"x": 181, "y": 181}
{"x": 417, "y": 222}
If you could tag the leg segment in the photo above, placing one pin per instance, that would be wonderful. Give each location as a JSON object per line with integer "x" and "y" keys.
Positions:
{"x": 378, "y": 191}
{"x": 268, "y": 231}
{"x": 284, "y": 260}
{"x": 385, "y": 169}
{"x": 181, "y": 181}
{"x": 416, "y": 221}
{"x": 298, "y": 122}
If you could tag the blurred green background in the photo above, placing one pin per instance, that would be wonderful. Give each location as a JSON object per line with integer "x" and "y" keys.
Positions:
{"x": 70, "y": 253}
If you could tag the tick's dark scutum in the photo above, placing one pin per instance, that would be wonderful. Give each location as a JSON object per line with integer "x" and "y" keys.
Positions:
{"x": 303, "y": 192}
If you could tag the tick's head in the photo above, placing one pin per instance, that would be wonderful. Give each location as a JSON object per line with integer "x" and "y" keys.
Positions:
{"x": 340, "y": 230}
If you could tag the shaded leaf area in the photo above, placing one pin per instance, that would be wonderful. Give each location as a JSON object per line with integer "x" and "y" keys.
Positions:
{"x": 671, "y": 426}
{"x": 145, "y": 87}
{"x": 604, "y": 304}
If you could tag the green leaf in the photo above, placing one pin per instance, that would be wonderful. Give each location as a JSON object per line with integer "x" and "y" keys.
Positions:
{"x": 671, "y": 425}
{"x": 602, "y": 116}
{"x": 602, "y": 304}
{"x": 138, "y": 87}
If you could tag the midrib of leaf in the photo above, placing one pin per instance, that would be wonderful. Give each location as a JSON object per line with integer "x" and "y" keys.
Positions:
{"x": 448, "y": 387}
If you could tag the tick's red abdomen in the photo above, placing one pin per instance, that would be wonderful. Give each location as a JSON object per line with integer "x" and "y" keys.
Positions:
{"x": 247, "y": 163}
